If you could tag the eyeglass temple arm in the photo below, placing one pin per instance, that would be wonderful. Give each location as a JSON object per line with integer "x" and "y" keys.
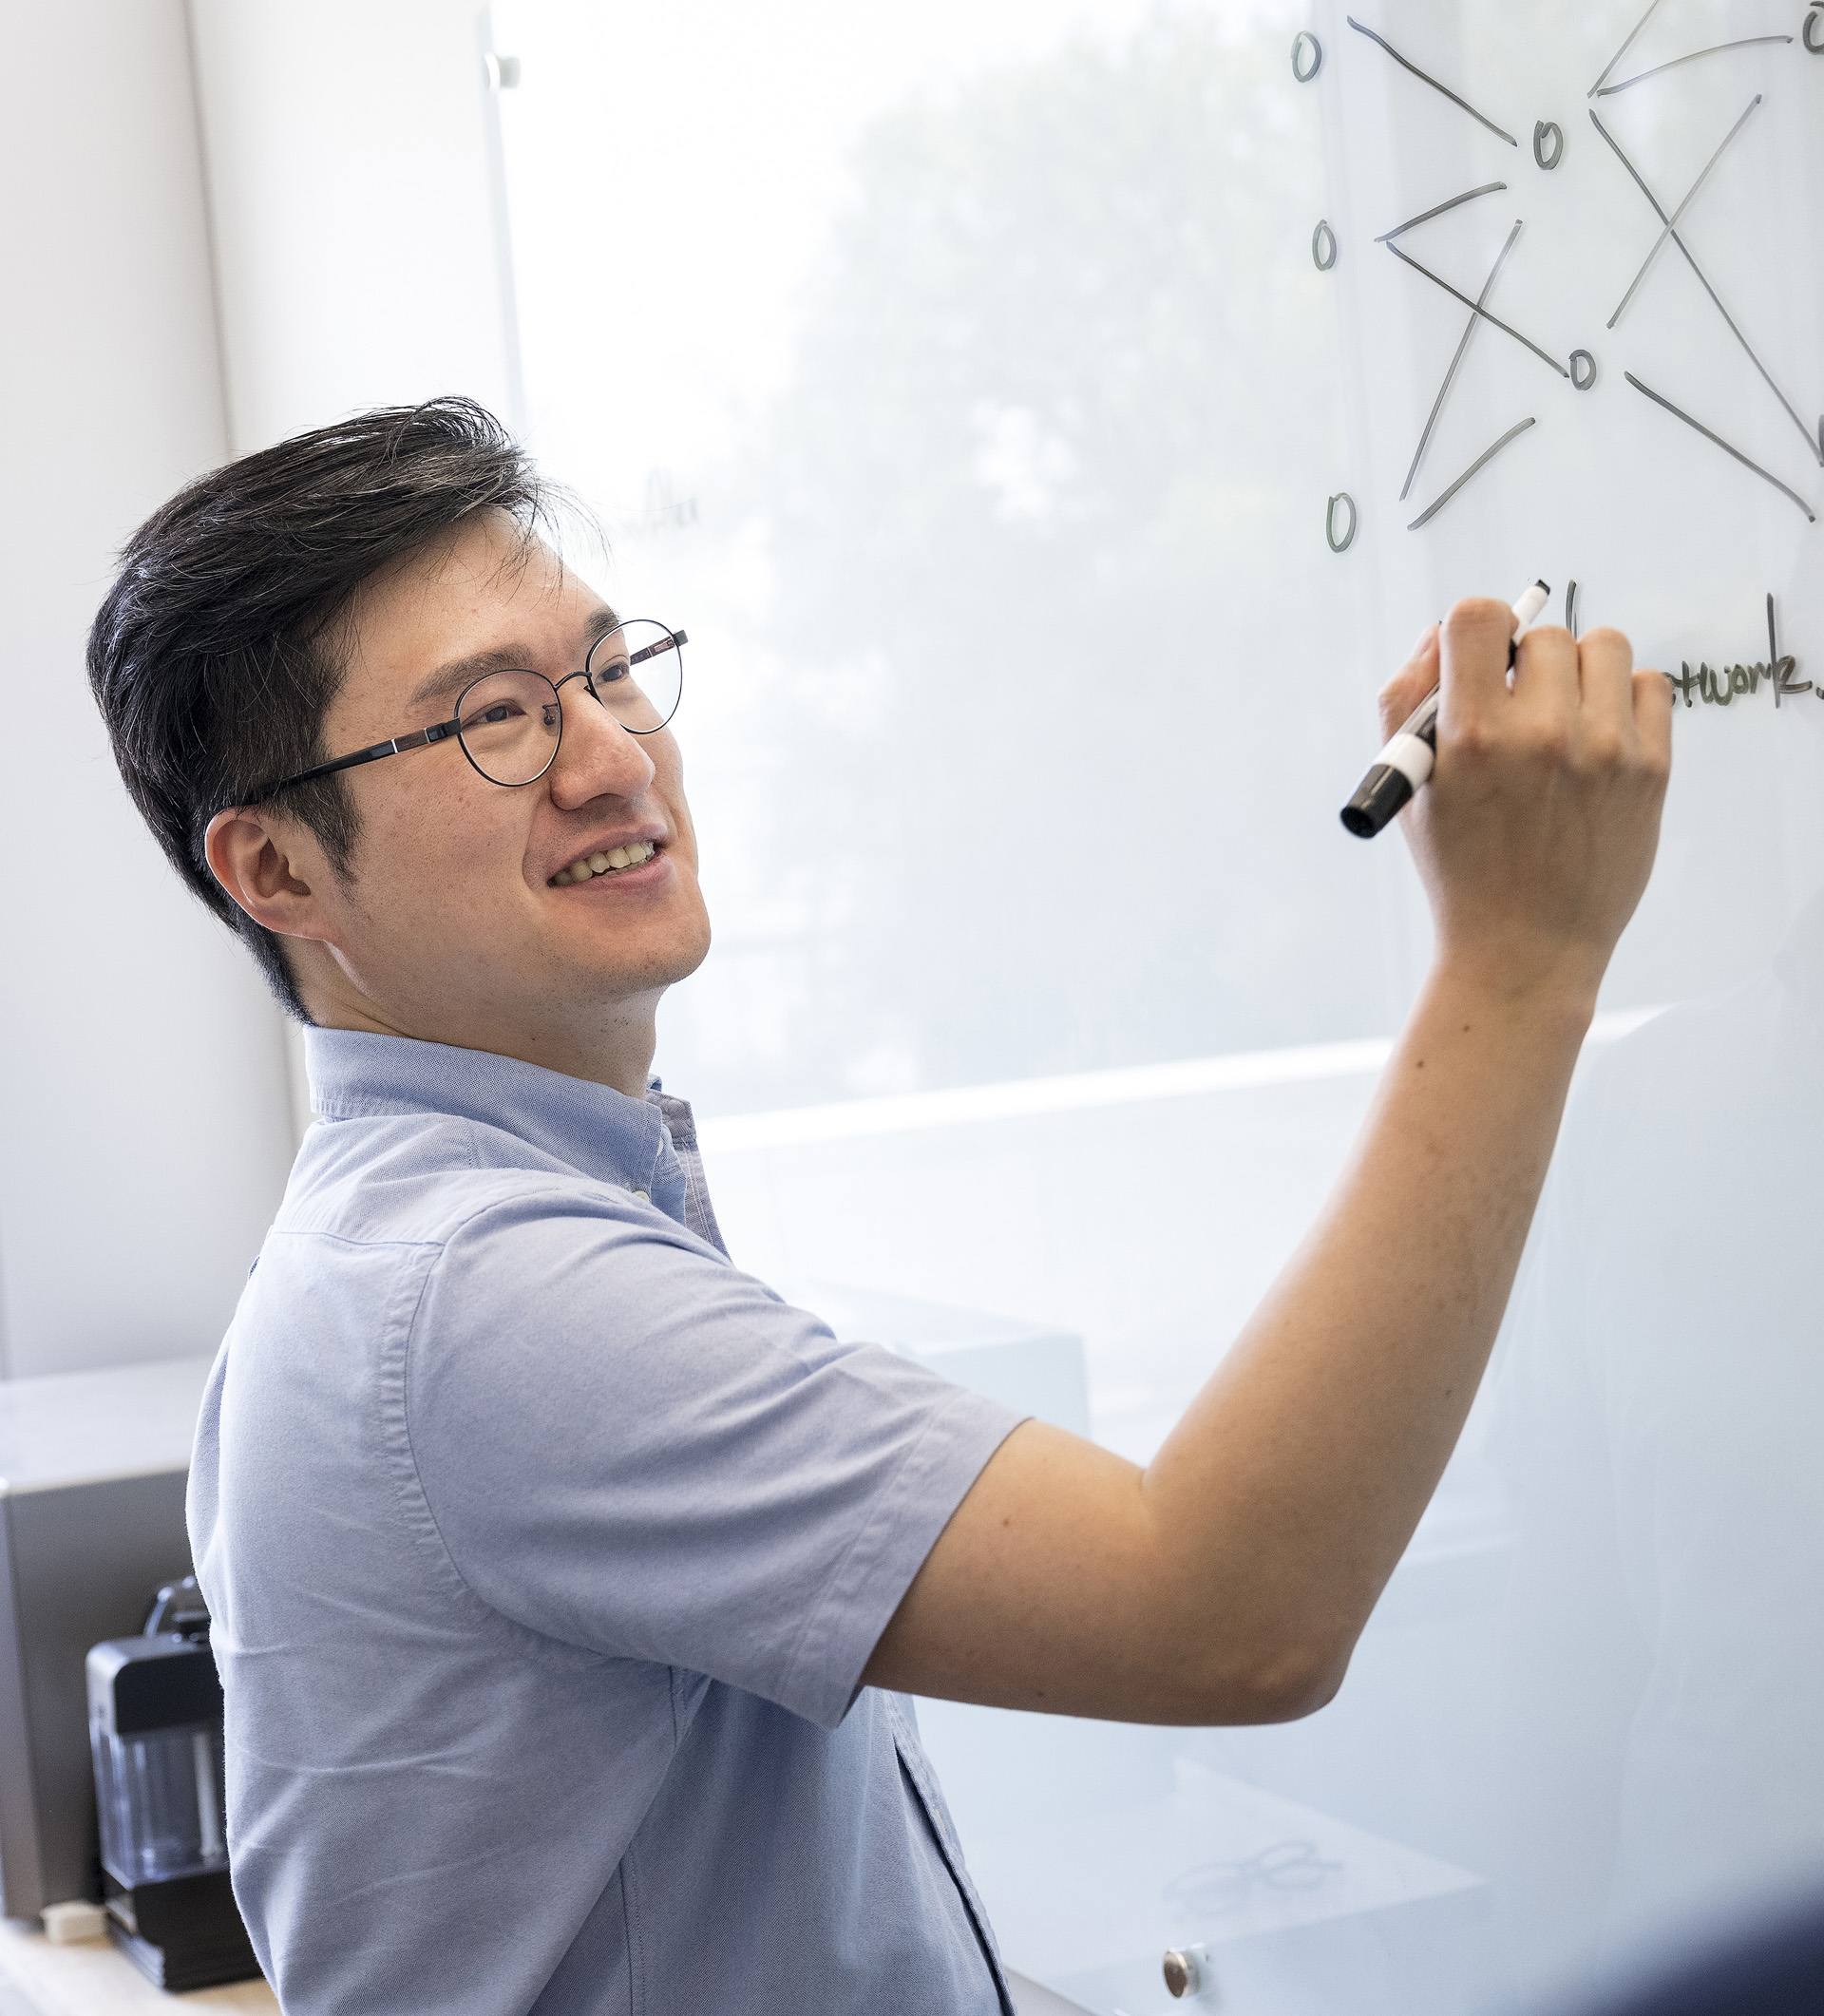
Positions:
{"x": 670, "y": 642}
{"x": 399, "y": 744}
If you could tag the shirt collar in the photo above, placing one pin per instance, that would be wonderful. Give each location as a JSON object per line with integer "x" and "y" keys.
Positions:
{"x": 592, "y": 1128}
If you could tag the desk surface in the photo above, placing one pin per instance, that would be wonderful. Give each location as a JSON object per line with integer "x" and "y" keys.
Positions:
{"x": 39, "y": 1979}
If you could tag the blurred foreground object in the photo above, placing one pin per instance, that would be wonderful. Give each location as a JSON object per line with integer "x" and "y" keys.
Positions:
{"x": 92, "y": 1473}
{"x": 155, "y": 1726}
{"x": 1776, "y": 1969}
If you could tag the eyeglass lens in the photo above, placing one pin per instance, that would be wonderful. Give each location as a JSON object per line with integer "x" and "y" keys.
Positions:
{"x": 510, "y": 725}
{"x": 637, "y": 673}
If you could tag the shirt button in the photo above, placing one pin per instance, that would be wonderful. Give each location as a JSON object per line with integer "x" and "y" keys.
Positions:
{"x": 641, "y": 1197}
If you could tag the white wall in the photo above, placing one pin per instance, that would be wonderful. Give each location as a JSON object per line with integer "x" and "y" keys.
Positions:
{"x": 352, "y": 167}
{"x": 143, "y": 1126}
{"x": 350, "y": 157}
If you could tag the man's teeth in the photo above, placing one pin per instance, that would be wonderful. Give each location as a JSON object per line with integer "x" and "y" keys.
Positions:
{"x": 629, "y": 857}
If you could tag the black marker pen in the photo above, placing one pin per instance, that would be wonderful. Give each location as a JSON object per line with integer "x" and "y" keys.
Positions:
{"x": 1410, "y": 758}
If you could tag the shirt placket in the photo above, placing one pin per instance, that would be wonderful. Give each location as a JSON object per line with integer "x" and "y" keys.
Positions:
{"x": 680, "y": 1124}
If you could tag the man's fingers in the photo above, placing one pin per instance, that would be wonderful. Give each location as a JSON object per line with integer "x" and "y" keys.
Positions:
{"x": 1651, "y": 693}
{"x": 1602, "y": 703}
{"x": 1410, "y": 683}
{"x": 1474, "y": 661}
{"x": 1606, "y": 665}
{"x": 1546, "y": 672}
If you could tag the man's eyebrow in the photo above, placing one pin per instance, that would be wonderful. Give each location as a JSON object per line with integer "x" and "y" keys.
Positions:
{"x": 449, "y": 679}
{"x": 600, "y": 622}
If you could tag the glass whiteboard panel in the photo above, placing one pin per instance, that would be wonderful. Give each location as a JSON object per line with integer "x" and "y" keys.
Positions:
{"x": 987, "y": 388}
{"x": 909, "y": 351}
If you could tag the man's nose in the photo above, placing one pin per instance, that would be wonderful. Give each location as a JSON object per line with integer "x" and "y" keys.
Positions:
{"x": 598, "y": 757}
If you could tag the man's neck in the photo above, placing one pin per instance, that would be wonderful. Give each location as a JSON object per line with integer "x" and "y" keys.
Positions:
{"x": 610, "y": 1044}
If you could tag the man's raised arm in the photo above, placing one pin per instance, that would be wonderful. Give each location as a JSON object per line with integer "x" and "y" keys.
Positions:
{"x": 1228, "y": 1581}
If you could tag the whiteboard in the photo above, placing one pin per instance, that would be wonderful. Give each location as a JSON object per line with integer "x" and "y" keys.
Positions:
{"x": 1029, "y": 341}
{"x": 1666, "y": 532}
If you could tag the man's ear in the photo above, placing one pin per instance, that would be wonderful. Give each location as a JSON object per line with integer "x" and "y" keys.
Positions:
{"x": 269, "y": 868}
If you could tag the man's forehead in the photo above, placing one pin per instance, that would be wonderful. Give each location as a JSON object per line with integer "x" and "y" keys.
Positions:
{"x": 481, "y": 598}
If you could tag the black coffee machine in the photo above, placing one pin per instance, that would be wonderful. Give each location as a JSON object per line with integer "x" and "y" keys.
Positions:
{"x": 155, "y": 1731}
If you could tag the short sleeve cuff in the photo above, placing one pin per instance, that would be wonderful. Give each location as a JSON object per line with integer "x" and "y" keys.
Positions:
{"x": 903, "y": 1524}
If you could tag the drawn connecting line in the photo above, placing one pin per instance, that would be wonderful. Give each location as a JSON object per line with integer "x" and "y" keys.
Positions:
{"x": 1475, "y": 308}
{"x": 1425, "y": 217}
{"x": 1450, "y": 376}
{"x": 1659, "y": 241}
{"x": 1748, "y": 42}
{"x": 1633, "y": 37}
{"x": 1747, "y": 461}
{"x": 1814, "y": 443}
{"x": 1480, "y": 463}
{"x": 1424, "y": 77}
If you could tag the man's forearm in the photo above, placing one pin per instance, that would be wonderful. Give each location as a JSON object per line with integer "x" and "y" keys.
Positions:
{"x": 1323, "y": 1432}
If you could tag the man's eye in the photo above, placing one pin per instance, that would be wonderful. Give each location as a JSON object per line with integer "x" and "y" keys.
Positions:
{"x": 615, "y": 670}
{"x": 492, "y": 714}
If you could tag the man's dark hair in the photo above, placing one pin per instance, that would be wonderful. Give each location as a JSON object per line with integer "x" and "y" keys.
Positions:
{"x": 216, "y": 655}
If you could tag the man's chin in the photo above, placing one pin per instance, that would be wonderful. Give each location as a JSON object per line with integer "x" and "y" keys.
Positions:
{"x": 653, "y": 962}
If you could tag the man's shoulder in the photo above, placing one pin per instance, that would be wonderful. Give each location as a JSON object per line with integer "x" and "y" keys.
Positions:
{"x": 421, "y": 1178}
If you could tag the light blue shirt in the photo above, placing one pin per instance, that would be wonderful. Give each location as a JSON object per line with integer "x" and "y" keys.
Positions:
{"x": 545, "y": 1549}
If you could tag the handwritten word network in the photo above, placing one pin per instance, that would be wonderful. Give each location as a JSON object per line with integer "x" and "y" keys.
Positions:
{"x": 1723, "y": 686}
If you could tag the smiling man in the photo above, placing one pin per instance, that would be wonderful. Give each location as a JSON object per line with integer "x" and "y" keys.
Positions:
{"x": 562, "y": 1574}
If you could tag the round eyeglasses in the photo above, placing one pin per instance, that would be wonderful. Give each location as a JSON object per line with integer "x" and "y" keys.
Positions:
{"x": 510, "y": 723}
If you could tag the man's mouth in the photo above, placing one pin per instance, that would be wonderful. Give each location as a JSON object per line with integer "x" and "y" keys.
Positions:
{"x": 589, "y": 866}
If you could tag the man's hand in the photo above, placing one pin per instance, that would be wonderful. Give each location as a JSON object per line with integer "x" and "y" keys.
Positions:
{"x": 1536, "y": 833}
{"x": 1229, "y": 1580}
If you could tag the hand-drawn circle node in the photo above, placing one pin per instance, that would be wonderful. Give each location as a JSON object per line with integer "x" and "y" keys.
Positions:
{"x": 1583, "y": 370}
{"x": 1323, "y": 246}
{"x": 1547, "y": 142}
{"x": 1814, "y": 20}
{"x": 1307, "y": 56}
{"x": 1348, "y": 539}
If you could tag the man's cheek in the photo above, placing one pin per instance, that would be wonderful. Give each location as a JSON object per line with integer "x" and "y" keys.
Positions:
{"x": 456, "y": 852}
